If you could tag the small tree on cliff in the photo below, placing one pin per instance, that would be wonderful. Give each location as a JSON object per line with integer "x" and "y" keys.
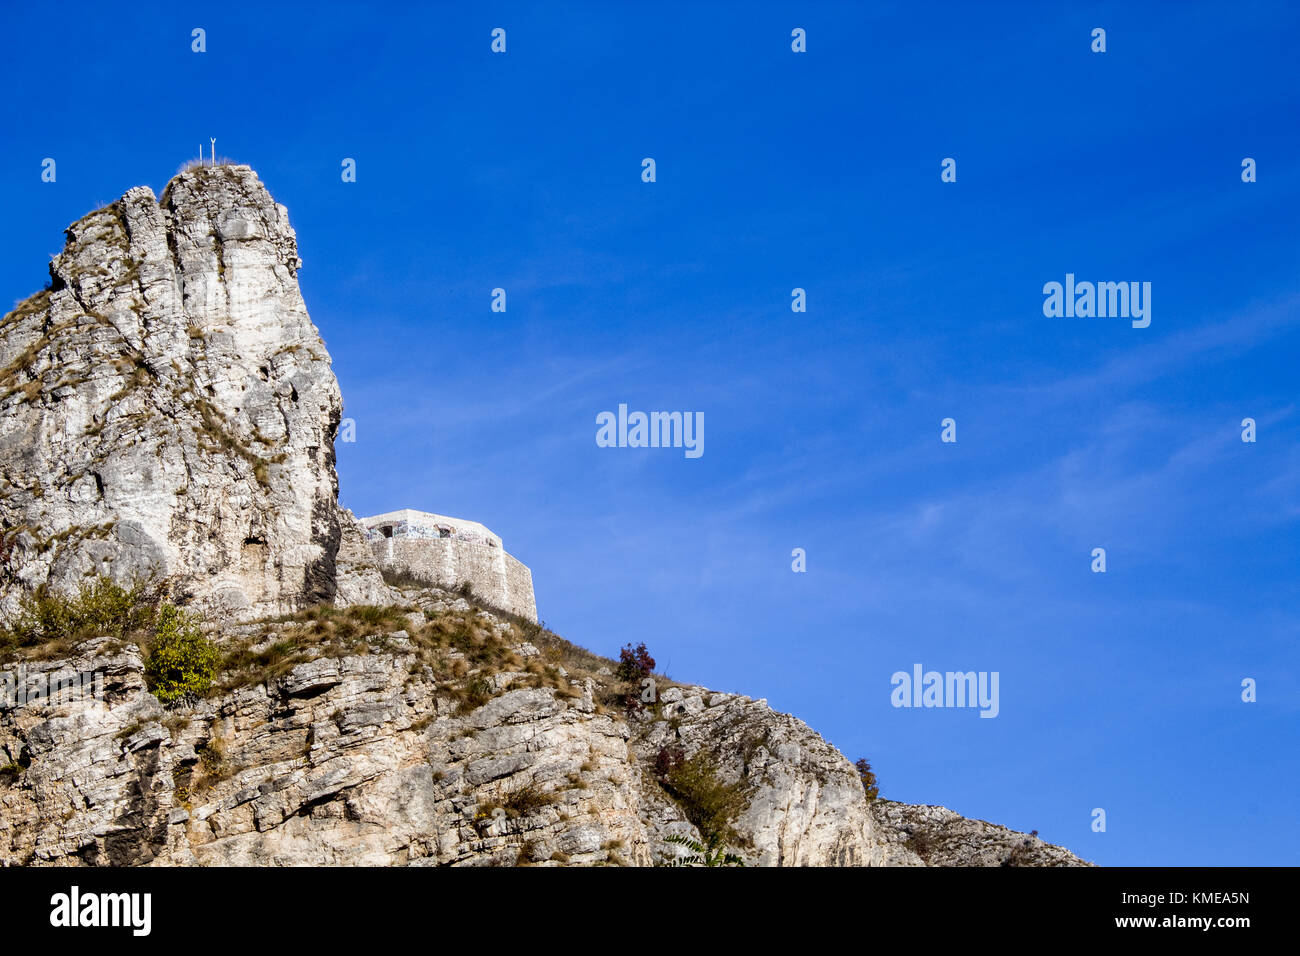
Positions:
{"x": 868, "y": 778}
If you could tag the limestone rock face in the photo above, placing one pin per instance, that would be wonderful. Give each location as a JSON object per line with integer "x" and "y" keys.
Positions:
{"x": 167, "y": 407}
{"x": 356, "y": 574}
{"x": 806, "y": 805}
{"x": 912, "y": 835}
{"x": 371, "y": 758}
{"x": 353, "y": 760}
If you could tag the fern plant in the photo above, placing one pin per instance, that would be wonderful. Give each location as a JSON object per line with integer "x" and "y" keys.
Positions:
{"x": 712, "y": 853}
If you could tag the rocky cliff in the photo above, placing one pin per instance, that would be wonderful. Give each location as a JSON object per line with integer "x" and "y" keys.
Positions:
{"x": 435, "y": 733}
{"x": 167, "y": 409}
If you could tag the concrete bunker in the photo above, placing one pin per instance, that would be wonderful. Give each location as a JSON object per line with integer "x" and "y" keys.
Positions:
{"x": 450, "y": 553}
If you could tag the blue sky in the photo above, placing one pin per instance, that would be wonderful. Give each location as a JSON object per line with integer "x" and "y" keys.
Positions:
{"x": 820, "y": 170}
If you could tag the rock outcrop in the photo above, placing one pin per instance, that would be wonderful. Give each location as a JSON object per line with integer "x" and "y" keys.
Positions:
{"x": 912, "y": 835}
{"x": 379, "y": 755}
{"x": 167, "y": 408}
{"x": 357, "y": 577}
{"x": 341, "y": 761}
{"x": 805, "y": 803}
{"x": 168, "y": 411}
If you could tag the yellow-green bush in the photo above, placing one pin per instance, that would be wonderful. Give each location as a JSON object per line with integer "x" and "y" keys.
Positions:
{"x": 181, "y": 660}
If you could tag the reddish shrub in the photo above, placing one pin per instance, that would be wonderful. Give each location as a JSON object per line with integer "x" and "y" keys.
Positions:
{"x": 634, "y": 664}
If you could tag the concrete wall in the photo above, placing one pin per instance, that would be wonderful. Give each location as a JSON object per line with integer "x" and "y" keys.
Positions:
{"x": 495, "y": 576}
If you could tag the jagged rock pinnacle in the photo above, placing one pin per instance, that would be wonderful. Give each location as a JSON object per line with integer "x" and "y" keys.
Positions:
{"x": 167, "y": 407}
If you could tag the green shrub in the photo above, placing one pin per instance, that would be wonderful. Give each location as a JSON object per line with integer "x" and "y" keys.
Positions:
{"x": 102, "y": 608}
{"x": 706, "y": 800}
{"x": 181, "y": 660}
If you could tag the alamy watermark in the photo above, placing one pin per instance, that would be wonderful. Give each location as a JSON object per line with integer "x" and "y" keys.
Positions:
{"x": 651, "y": 430}
{"x": 52, "y": 687}
{"x": 1104, "y": 300}
{"x": 74, "y": 909}
{"x": 948, "y": 689}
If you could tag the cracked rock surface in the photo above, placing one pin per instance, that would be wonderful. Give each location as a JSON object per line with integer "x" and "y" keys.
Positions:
{"x": 372, "y": 758}
{"x": 167, "y": 407}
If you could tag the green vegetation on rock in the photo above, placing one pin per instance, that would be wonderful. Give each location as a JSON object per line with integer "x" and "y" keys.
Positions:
{"x": 181, "y": 662}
